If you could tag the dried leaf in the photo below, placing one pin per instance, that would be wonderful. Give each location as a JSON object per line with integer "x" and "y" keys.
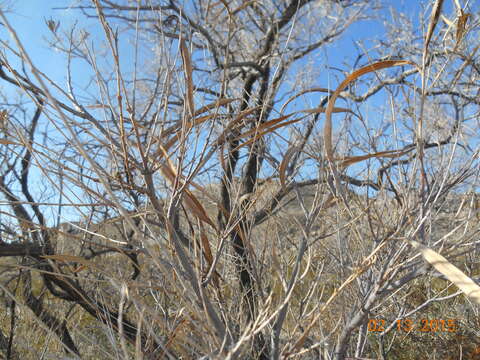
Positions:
{"x": 196, "y": 121}
{"x": 323, "y": 109}
{"x": 461, "y": 27}
{"x": 451, "y": 272}
{"x": 206, "y": 246}
{"x": 264, "y": 125}
{"x": 215, "y": 105}
{"x": 381, "y": 154}
{"x": 8, "y": 142}
{"x": 232, "y": 124}
{"x": 269, "y": 130}
{"x": 283, "y": 165}
{"x": 350, "y": 78}
{"x": 169, "y": 172}
{"x": 436, "y": 11}
{"x": 302, "y": 93}
{"x": 187, "y": 68}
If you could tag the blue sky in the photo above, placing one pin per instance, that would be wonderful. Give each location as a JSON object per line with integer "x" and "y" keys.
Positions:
{"x": 29, "y": 18}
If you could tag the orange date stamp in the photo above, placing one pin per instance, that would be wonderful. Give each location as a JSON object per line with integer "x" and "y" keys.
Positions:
{"x": 408, "y": 325}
